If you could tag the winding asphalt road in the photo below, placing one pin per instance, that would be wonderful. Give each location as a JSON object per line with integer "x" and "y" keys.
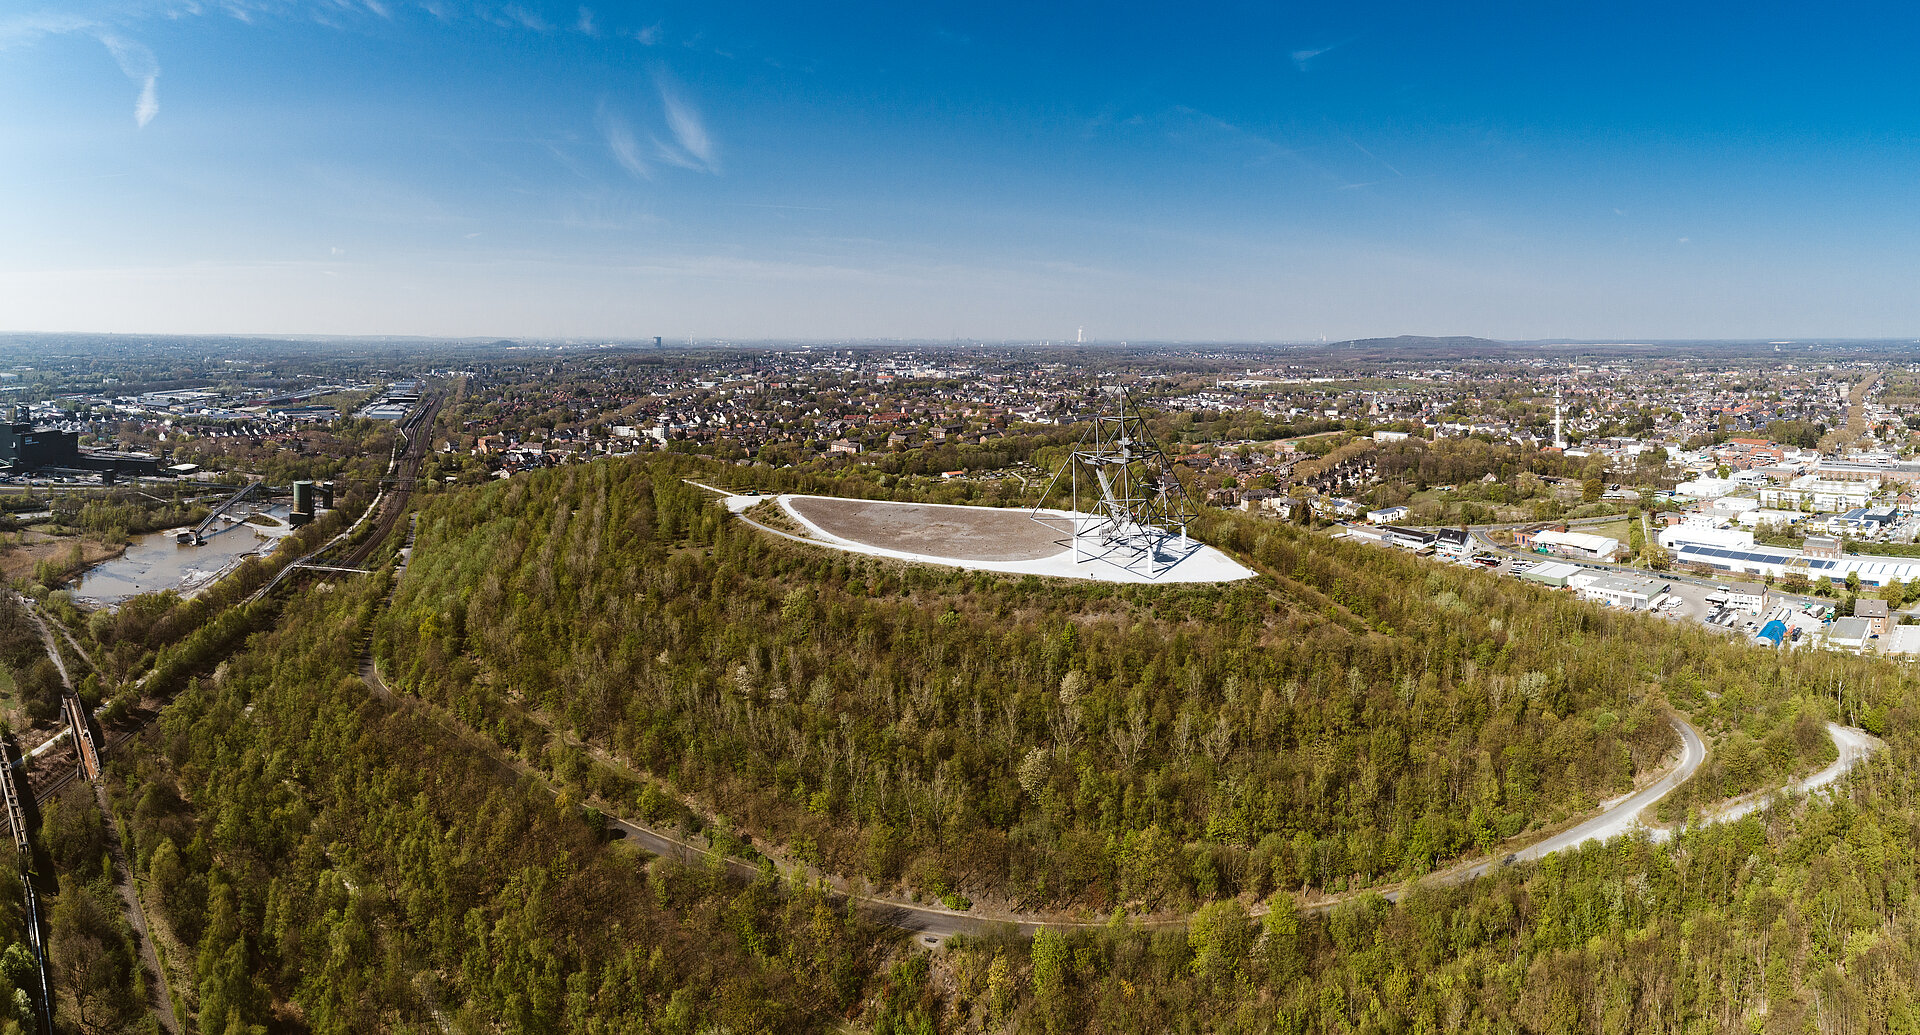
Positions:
{"x": 1853, "y": 745}
{"x": 1618, "y": 818}
{"x": 934, "y": 924}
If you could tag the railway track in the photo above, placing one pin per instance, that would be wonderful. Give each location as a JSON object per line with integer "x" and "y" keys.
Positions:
{"x": 385, "y": 511}
{"x": 15, "y": 786}
{"x": 11, "y": 781}
{"x": 391, "y": 505}
{"x": 46, "y": 791}
{"x": 82, "y": 735}
{"x": 417, "y": 431}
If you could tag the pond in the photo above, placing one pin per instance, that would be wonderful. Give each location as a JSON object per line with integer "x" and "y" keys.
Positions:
{"x": 157, "y": 561}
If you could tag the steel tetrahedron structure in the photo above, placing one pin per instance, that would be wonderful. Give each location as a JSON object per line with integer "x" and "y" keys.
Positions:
{"x": 1127, "y": 508}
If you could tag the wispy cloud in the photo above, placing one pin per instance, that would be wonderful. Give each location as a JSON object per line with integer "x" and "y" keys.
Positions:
{"x": 517, "y": 15}
{"x": 586, "y": 23}
{"x": 22, "y": 29}
{"x": 648, "y": 36}
{"x": 133, "y": 57}
{"x": 142, "y": 67}
{"x": 1192, "y": 126}
{"x": 1384, "y": 163}
{"x": 692, "y": 146}
{"x": 621, "y": 142}
{"x": 1303, "y": 59}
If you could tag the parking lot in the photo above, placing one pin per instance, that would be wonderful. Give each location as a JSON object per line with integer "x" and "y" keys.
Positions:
{"x": 1689, "y": 601}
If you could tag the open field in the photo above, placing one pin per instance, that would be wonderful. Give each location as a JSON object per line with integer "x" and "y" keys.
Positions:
{"x": 1620, "y": 529}
{"x": 17, "y": 562}
{"x": 961, "y": 533}
{"x": 989, "y": 539}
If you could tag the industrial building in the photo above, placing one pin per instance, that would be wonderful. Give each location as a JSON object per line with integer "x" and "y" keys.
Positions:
{"x": 1905, "y": 641}
{"x": 26, "y": 448}
{"x": 1408, "y": 538}
{"x": 1705, "y": 534}
{"x": 1873, "y": 571}
{"x": 1759, "y": 560}
{"x": 1744, "y": 596}
{"x": 1549, "y": 573}
{"x": 1823, "y": 546}
{"x": 1626, "y": 591}
{"x": 1390, "y": 535}
{"x": 1583, "y": 545}
{"x": 1850, "y": 470}
{"x": 1523, "y": 537}
{"x": 395, "y": 403}
{"x": 1848, "y": 634}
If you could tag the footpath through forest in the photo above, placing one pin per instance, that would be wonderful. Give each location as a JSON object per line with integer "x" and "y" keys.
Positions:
{"x": 933, "y": 923}
{"x": 159, "y": 993}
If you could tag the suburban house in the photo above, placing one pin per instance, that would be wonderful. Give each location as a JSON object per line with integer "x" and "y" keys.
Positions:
{"x": 1878, "y": 616}
{"x": 1453, "y": 542}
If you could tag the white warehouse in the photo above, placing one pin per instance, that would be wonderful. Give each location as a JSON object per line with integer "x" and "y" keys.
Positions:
{"x": 1628, "y": 591}
{"x": 1579, "y": 544}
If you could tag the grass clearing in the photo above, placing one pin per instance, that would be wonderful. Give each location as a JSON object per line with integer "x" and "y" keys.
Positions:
{"x": 1616, "y": 529}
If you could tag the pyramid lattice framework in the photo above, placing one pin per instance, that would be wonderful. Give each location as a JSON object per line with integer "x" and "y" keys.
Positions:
{"x": 1127, "y": 507}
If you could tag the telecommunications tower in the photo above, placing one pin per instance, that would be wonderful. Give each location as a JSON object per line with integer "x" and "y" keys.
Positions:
{"x": 1127, "y": 508}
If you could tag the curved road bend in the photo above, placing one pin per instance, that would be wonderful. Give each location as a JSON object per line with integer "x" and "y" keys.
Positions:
{"x": 1616, "y": 819}
{"x": 934, "y": 924}
{"x": 1609, "y": 822}
{"x": 737, "y": 505}
{"x": 1853, "y": 746}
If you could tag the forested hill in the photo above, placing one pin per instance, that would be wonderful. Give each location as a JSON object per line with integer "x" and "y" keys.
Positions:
{"x": 1351, "y": 716}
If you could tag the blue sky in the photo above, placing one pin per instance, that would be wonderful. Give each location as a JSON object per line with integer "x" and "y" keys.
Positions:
{"x": 1188, "y": 172}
